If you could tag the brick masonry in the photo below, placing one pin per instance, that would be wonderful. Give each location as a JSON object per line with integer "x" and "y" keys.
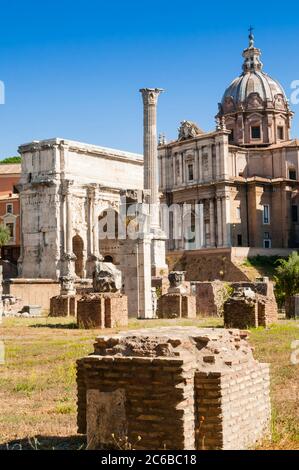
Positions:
{"x": 176, "y": 388}
{"x": 243, "y": 312}
{"x": 102, "y": 311}
{"x": 210, "y": 297}
{"x": 176, "y": 306}
{"x": 63, "y": 306}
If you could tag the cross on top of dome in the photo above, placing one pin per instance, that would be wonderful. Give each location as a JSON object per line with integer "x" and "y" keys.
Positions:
{"x": 251, "y": 55}
{"x": 251, "y": 37}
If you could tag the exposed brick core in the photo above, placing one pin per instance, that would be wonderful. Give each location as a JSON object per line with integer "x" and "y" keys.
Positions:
{"x": 210, "y": 297}
{"x": 176, "y": 306}
{"x": 62, "y": 306}
{"x": 242, "y": 312}
{"x": 177, "y": 388}
{"x": 102, "y": 311}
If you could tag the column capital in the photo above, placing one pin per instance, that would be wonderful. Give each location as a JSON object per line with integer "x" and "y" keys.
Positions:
{"x": 150, "y": 95}
{"x": 66, "y": 186}
{"x": 92, "y": 190}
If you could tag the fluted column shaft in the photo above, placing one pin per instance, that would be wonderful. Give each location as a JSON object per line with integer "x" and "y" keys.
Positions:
{"x": 212, "y": 223}
{"x": 151, "y": 180}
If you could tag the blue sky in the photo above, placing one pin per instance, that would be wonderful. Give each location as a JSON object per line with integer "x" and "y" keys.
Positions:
{"x": 73, "y": 69}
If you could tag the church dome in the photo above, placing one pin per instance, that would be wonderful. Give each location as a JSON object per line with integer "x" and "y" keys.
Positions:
{"x": 253, "y": 81}
{"x": 254, "y": 107}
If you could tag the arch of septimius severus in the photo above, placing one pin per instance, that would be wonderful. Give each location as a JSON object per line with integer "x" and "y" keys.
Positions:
{"x": 65, "y": 189}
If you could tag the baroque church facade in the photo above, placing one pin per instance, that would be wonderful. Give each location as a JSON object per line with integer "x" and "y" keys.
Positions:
{"x": 244, "y": 175}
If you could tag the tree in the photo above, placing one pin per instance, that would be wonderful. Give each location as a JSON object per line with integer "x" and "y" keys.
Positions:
{"x": 287, "y": 277}
{"x": 4, "y": 236}
{"x": 10, "y": 160}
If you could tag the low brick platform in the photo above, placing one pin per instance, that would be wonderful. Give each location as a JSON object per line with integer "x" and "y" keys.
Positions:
{"x": 177, "y": 388}
{"x": 62, "y": 306}
{"x": 102, "y": 311}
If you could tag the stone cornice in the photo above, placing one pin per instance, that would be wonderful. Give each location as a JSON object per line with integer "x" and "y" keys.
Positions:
{"x": 81, "y": 147}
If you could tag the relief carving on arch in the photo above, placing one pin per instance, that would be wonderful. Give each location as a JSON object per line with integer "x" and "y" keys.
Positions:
{"x": 79, "y": 214}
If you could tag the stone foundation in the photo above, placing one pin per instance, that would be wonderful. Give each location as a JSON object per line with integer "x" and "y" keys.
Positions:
{"x": 177, "y": 388}
{"x": 102, "y": 311}
{"x": 63, "y": 306}
{"x": 176, "y": 306}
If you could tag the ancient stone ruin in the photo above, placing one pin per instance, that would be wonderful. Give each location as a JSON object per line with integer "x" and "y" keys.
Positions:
{"x": 210, "y": 297}
{"x": 250, "y": 305}
{"x": 292, "y": 306}
{"x": 64, "y": 304}
{"x": 176, "y": 388}
{"x": 178, "y": 302}
{"x": 106, "y": 307}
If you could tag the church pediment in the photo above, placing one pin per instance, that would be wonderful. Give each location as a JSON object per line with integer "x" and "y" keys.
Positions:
{"x": 188, "y": 130}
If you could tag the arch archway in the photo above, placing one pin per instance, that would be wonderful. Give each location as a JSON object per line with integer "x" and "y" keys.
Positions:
{"x": 78, "y": 247}
{"x": 108, "y": 259}
{"x": 109, "y": 246}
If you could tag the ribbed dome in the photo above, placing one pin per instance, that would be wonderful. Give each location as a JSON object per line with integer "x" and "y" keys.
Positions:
{"x": 253, "y": 82}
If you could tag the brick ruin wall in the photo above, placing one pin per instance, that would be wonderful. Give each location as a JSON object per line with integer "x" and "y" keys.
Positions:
{"x": 233, "y": 408}
{"x": 63, "y": 306}
{"x": 179, "y": 388}
{"x": 240, "y": 313}
{"x": 102, "y": 311}
{"x": 176, "y": 306}
{"x": 212, "y": 296}
{"x": 206, "y": 265}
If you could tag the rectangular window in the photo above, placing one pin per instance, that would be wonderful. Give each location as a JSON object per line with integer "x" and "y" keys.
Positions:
{"x": 256, "y": 132}
{"x": 11, "y": 228}
{"x": 292, "y": 174}
{"x": 280, "y": 132}
{"x": 267, "y": 243}
{"x": 239, "y": 239}
{"x": 190, "y": 173}
{"x": 266, "y": 214}
{"x": 9, "y": 208}
{"x": 294, "y": 213}
{"x": 266, "y": 235}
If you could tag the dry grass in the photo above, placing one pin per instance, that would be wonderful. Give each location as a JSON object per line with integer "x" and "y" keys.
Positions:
{"x": 38, "y": 389}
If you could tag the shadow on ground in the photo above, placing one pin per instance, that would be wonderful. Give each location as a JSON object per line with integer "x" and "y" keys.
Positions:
{"x": 46, "y": 443}
{"x": 66, "y": 326}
